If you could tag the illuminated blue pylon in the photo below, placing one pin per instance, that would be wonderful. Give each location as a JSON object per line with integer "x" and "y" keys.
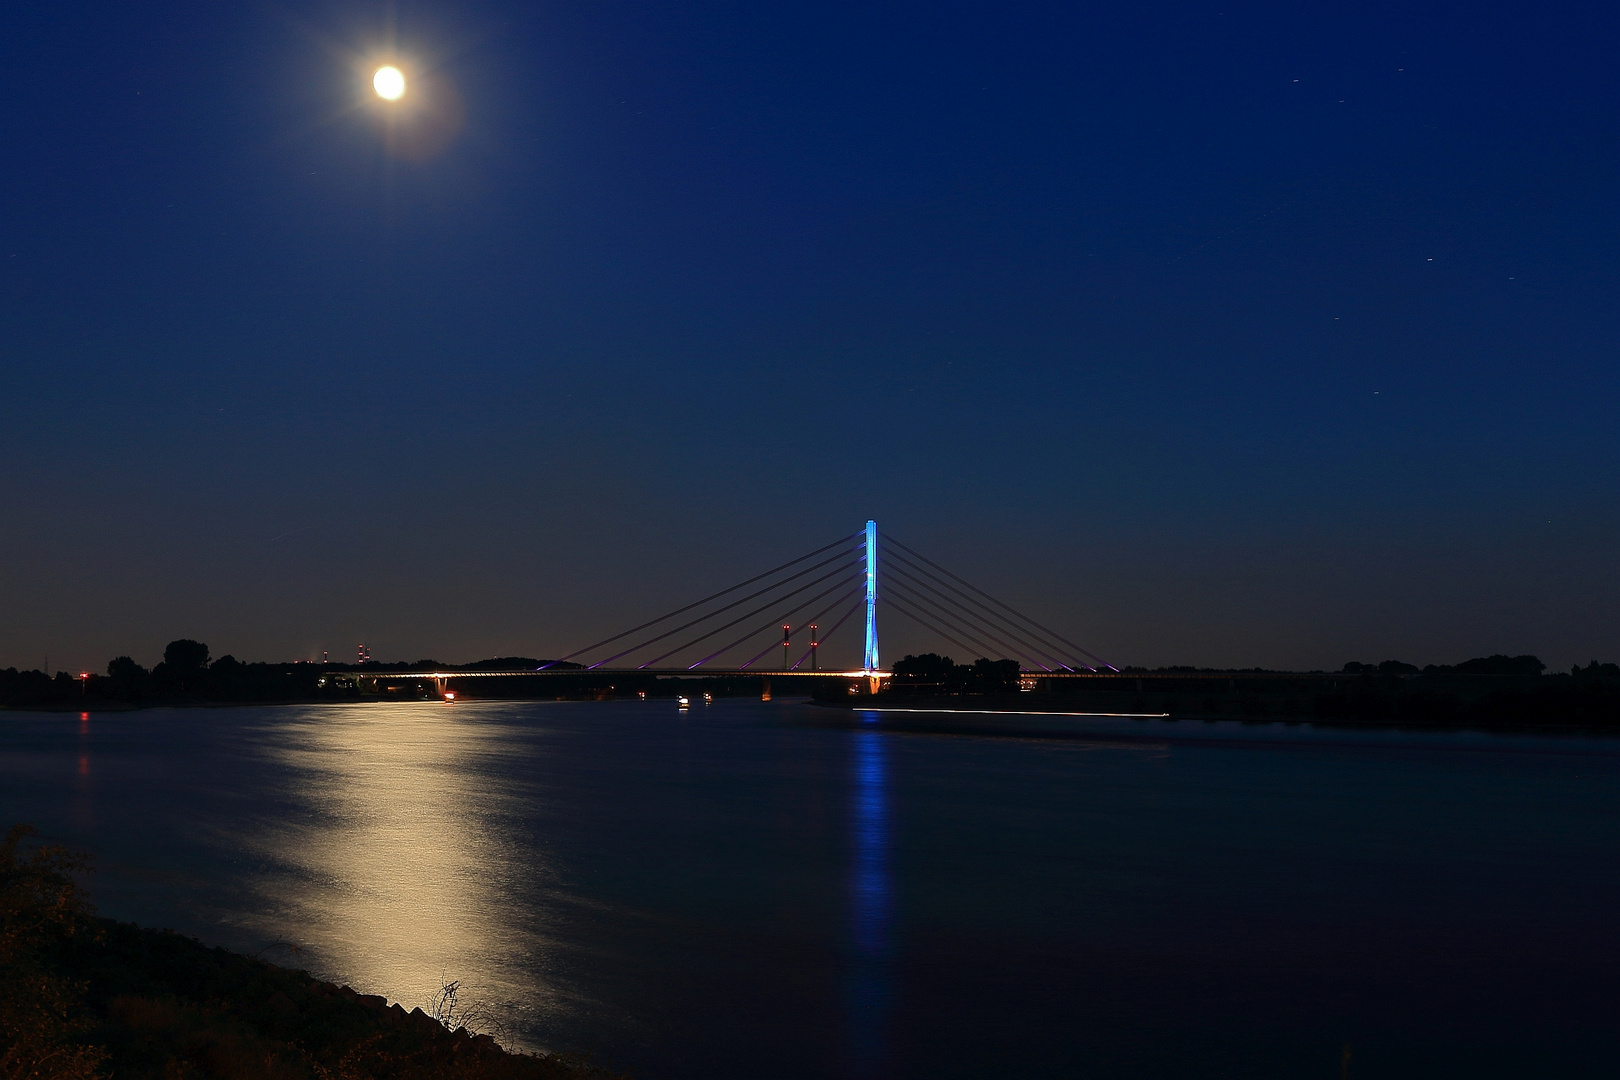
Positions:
{"x": 870, "y": 660}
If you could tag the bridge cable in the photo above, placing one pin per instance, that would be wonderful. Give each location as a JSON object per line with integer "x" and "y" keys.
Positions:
{"x": 705, "y": 600}
{"x": 858, "y": 605}
{"x": 1042, "y": 637}
{"x": 998, "y": 603}
{"x": 972, "y": 618}
{"x": 751, "y": 596}
{"x": 767, "y": 626}
{"x": 750, "y": 614}
{"x": 1043, "y": 657}
{"x": 958, "y": 623}
{"x": 802, "y": 625}
{"x": 990, "y": 618}
{"x": 914, "y": 599}
{"x": 807, "y": 622}
{"x": 890, "y": 601}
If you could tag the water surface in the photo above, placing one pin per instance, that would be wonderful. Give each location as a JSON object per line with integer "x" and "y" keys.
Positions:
{"x": 746, "y": 891}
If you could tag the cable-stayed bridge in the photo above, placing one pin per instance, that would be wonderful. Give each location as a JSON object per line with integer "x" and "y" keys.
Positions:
{"x": 797, "y": 607}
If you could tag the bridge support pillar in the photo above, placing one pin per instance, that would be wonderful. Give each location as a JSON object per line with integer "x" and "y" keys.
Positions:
{"x": 869, "y": 658}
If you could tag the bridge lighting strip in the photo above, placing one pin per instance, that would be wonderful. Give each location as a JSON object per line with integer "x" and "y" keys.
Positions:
{"x": 402, "y": 676}
{"x": 1017, "y": 712}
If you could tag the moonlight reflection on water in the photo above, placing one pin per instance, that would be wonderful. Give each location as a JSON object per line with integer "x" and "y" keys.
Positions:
{"x": 401, "y": 870}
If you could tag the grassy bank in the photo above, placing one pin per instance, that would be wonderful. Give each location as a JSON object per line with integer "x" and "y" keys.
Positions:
{"x": 85, "y": 997}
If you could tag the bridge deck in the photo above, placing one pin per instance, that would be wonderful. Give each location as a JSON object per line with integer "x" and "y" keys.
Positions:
{"x": 665, "y": 673}
{"x": 705, "y": 673}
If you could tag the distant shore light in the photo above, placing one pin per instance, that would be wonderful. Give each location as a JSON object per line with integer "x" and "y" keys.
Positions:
{"x": 389, "y": 83}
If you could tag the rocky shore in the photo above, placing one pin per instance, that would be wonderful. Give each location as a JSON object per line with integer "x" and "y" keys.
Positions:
{"x": 86, "y": 997}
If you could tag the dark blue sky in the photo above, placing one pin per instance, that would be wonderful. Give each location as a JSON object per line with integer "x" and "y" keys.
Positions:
{"x": 1209, "y": 333}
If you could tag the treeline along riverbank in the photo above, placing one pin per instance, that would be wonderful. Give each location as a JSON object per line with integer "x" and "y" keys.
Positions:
{"x": 1490, "y": 692}
{"x": 1494, "y": 692}
{"x": 188, "y": 675}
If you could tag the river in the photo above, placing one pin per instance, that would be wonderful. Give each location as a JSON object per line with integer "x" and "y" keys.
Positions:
{"x": 746, "y": 890}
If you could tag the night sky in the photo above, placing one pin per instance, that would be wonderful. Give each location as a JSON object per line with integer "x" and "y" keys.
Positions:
{"x": 1206, "y": 333}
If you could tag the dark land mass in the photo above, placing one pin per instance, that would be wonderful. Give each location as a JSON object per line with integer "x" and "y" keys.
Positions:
{"x": 85, "y": 997}
{"x": 1492, "y": 693}
{"x": 1496, "y": 692}
{"x": 188, "y": 676}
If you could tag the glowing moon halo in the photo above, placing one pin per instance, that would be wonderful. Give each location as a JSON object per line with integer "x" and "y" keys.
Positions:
{"x": 389, "y": 82}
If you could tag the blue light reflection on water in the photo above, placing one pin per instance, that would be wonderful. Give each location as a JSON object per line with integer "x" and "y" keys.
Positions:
{"x": 872, "y": 899}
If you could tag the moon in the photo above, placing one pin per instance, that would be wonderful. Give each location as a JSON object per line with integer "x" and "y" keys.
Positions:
{"x": 389, "y": 82}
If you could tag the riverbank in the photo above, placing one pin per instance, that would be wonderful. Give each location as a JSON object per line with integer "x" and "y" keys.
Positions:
{"x": 87, "y": 997}
{"x": 1528, "y": 704}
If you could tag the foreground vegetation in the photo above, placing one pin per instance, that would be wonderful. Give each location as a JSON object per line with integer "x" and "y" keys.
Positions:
{"x": 87, "y": 998}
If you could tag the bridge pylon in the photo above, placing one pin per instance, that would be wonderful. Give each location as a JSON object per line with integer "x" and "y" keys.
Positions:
{"x": 869, "y": 659}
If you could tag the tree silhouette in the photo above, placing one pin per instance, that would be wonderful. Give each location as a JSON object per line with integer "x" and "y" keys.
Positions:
{"x": 185, "y": 657}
